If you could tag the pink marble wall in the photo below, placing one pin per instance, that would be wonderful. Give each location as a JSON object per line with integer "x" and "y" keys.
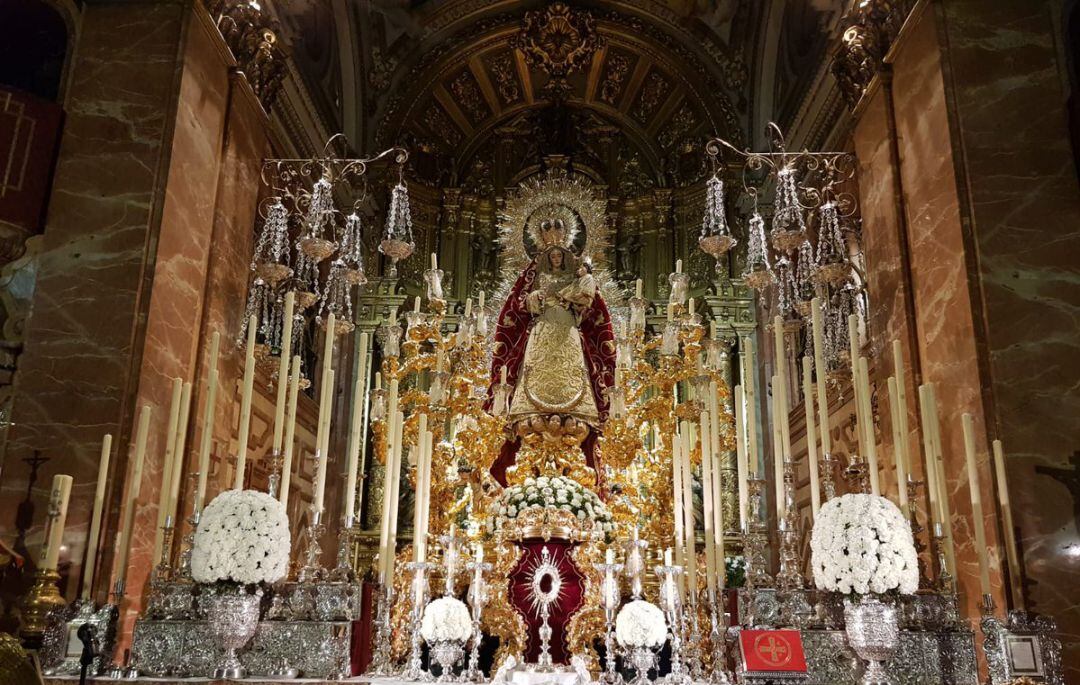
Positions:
{"x": 79, "y": 376}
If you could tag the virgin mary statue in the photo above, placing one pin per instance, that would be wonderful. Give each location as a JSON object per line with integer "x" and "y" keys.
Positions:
{"x": 554, "y": 338}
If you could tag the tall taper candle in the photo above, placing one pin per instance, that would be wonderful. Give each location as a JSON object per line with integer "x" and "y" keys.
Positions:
{"x": 164, "y": 496}
{"x": 208, "y": 421}
{"x": 753, "y": 457}
{"x": 901, "y": 399}
{"x": 290, "y": 431}
{"x": 95, "y": 517}
{"x": 811, "y": 436}
{"x": 898, "y": 452}
{"x": 178, "y": 454}
{"x": 942, "y": 481}
{"x": 245, "y": 405}
{"x": 324, "y": 411}
{"x": 856, "y": 386}
{"x": 688, "y": 510}
{"x": 399, "y": 427}
{"x": 384, "y": 524}
{"x": 283, "y": 371}
{"x": 358, "y": 401}
{"x": 420, "y": 493}
{"x": 778, "y": 452}
{"x": 677, "y": 496}
{"x": 932, "y": 491}
{"x": 58, "y": 497}
{"x": 868, "y": 415}
{"x": 976, "y": 502}
{"x": 123, "y": 553}
{"x": 740, "y": 453}
{"x": 707, "y": 505}
{"x": 822, "y": 375}
{"x": 1015, "y": 576}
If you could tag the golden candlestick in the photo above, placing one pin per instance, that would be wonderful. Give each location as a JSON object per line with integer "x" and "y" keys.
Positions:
{"x": 43, "y": 597}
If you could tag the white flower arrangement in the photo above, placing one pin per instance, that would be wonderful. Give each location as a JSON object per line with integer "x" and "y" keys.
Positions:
{"x": 862, "y": 544}
{"x": 641, "y": 624}
{"x": 243, "y": 537}
{"x": 444, "y": 619}
{"x": 554, "y": 492}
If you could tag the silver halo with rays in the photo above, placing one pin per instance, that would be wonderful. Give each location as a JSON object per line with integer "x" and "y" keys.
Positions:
{"x": 543, "y": 568}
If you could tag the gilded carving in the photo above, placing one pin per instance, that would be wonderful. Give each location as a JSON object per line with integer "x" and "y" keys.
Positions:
{"x": 616, "y": 69}
{"x": 683, "y": 122}
{"x": 505, "y": 77}
{"x": 557, "y": 40}
{"x": 654, "y": 91}
{"x": 467, "y": 95}
{"x": 439, "y": 123}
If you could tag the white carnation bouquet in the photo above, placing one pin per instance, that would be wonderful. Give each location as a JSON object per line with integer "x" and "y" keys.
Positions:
{"x": 445, "y": 619}
{"x": 554, "y": 492}
{"x": 641, "y": 624}
{"x": 862, "y": 544}
{"x": 243, "y": 537}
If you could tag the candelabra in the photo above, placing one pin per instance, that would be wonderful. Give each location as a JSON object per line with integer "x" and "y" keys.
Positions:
{"x": 313, "y": 570}
{"x": 916, "y": 529}
{"x": 718, "y": 638}
{"x": 609, "y": 599}
{"x": 183, "y": 569}
{"x": 381, "y": 665}
{"x": 828, "y": 468}
{"x": 943, "y": 580}
{"x": 415, "y": 669}
{"x": 478, "y": 597}
{"x": 790, "y": 576}
{"x": 671, "y": 604}
{"x": 450, "y": 545}
{"x": 274, "y": 462}
{"x": 120, "y": 670}
{"x": 343, "y": 572}
{"x": 755, "y": 542}
{"x": 163, "y": 570}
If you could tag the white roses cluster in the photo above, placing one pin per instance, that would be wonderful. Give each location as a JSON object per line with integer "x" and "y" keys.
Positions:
{"x": 554, "y": 492}
{"x": 446, "y": 618}
{"x": 862, "y": 544}
{"x": 243, "y": 537}
{"x": 640, "y": 624}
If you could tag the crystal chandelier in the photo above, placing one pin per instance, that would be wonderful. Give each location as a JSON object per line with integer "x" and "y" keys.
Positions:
{"x": 304, "y": 192}
{"x": 397, "y": 242}
{"x": 716, "y": 238}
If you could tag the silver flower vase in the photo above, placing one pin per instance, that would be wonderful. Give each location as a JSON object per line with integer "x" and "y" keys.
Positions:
{"x": 233, "y": 618}
{"x": 447, "y": 653}
{"x": 873, "y": 631}
{"x": 642, "y": 660}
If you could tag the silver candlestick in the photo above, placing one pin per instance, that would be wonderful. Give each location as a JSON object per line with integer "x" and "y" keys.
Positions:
{"x": 381, "y": 665}
{"x": 313, "y": 570}
{"x": 117, "y": 670}
{"x": 276, "y": 461}
{"x": 478, "y": 597}
{"x": 451, "y": 545}
{"x": 415, "y": 670}
{"x": 671, "y": 604}
{"x": 609, "y": 599}
{"x": 343, "y": 572}
{"x": 183, "y": 570}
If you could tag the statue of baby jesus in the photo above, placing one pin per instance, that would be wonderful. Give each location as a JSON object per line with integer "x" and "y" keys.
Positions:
{"x": 579, "y": 295}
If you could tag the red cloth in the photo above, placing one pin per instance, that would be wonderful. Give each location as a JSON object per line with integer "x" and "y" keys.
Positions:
{"x": 571, "y": 596}
{"x": 360, "y": 651}
{"x": 511, "y": 336}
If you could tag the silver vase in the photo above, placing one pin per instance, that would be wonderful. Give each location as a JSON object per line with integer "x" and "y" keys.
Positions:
{"x": 643, "y": 660}
{"x": 447, "y": 653}
{"x": 874, "y": 633}
{"x": 233, "y": 618}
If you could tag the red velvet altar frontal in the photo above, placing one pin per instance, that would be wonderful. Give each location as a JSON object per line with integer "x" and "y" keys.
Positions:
{"x": 570, "y": 600}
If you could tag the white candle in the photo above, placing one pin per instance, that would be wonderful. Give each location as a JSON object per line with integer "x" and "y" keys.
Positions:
{"x": 942, "y": 482}
{"x": 811, "y": 436}
{"x": 717, "y": 483}
{"x": 425, "y": 519}
{"x": 898, "y": 454}
{"x": 707, "y": 502}
{"x": 283, "y": 371}
{"x": 871, "y": 442}
{"x": 164, "y": 515}
{"x": 778, "y": 453}
{"x": 245, "y": 405}
{"x": 440, "y": 360}
{"x": 780, "y": 388}
{"x": 58, "y": 500}
{"x": 124, "y": 548}
{"x": 638, "y": 288}
{"x": 416, "y": 304}
{"x": 208, "y": 421}
{"x": 976, "y": 502}
{"x": 901, "y": 399}
{"x": 1007, "y": 521}
{"x": 178, "y": 454}
{"x": 502, "y": 375}
{"x": 740, "y": 453}
{"x": 819, "y": 365}
{"x": 678, "y": 266}
{"x": 688, "y": 510}
{"x": 359, "y": 400}
{"x": 384, "y": 527}
{"x": 95, "y": 517}
{"x": 690, "y": 306}
{"x": 677, "y": 496}
{"x": 434, "y": 261}
{"x": 290, "y": 432}
{"x": 856, "y": 386}
{"x": 419, "y": 543}
{"x": 478, "y": 556}
{"x": 934, "y": 515}
{"x": 481, "y": 303}
{"x": 749, "y": 385}
{"x": 468, "y": 307}
{"x": 399, "y": 426}
{"x": 667, "y": 557}
{"x": 324, "y": 415}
